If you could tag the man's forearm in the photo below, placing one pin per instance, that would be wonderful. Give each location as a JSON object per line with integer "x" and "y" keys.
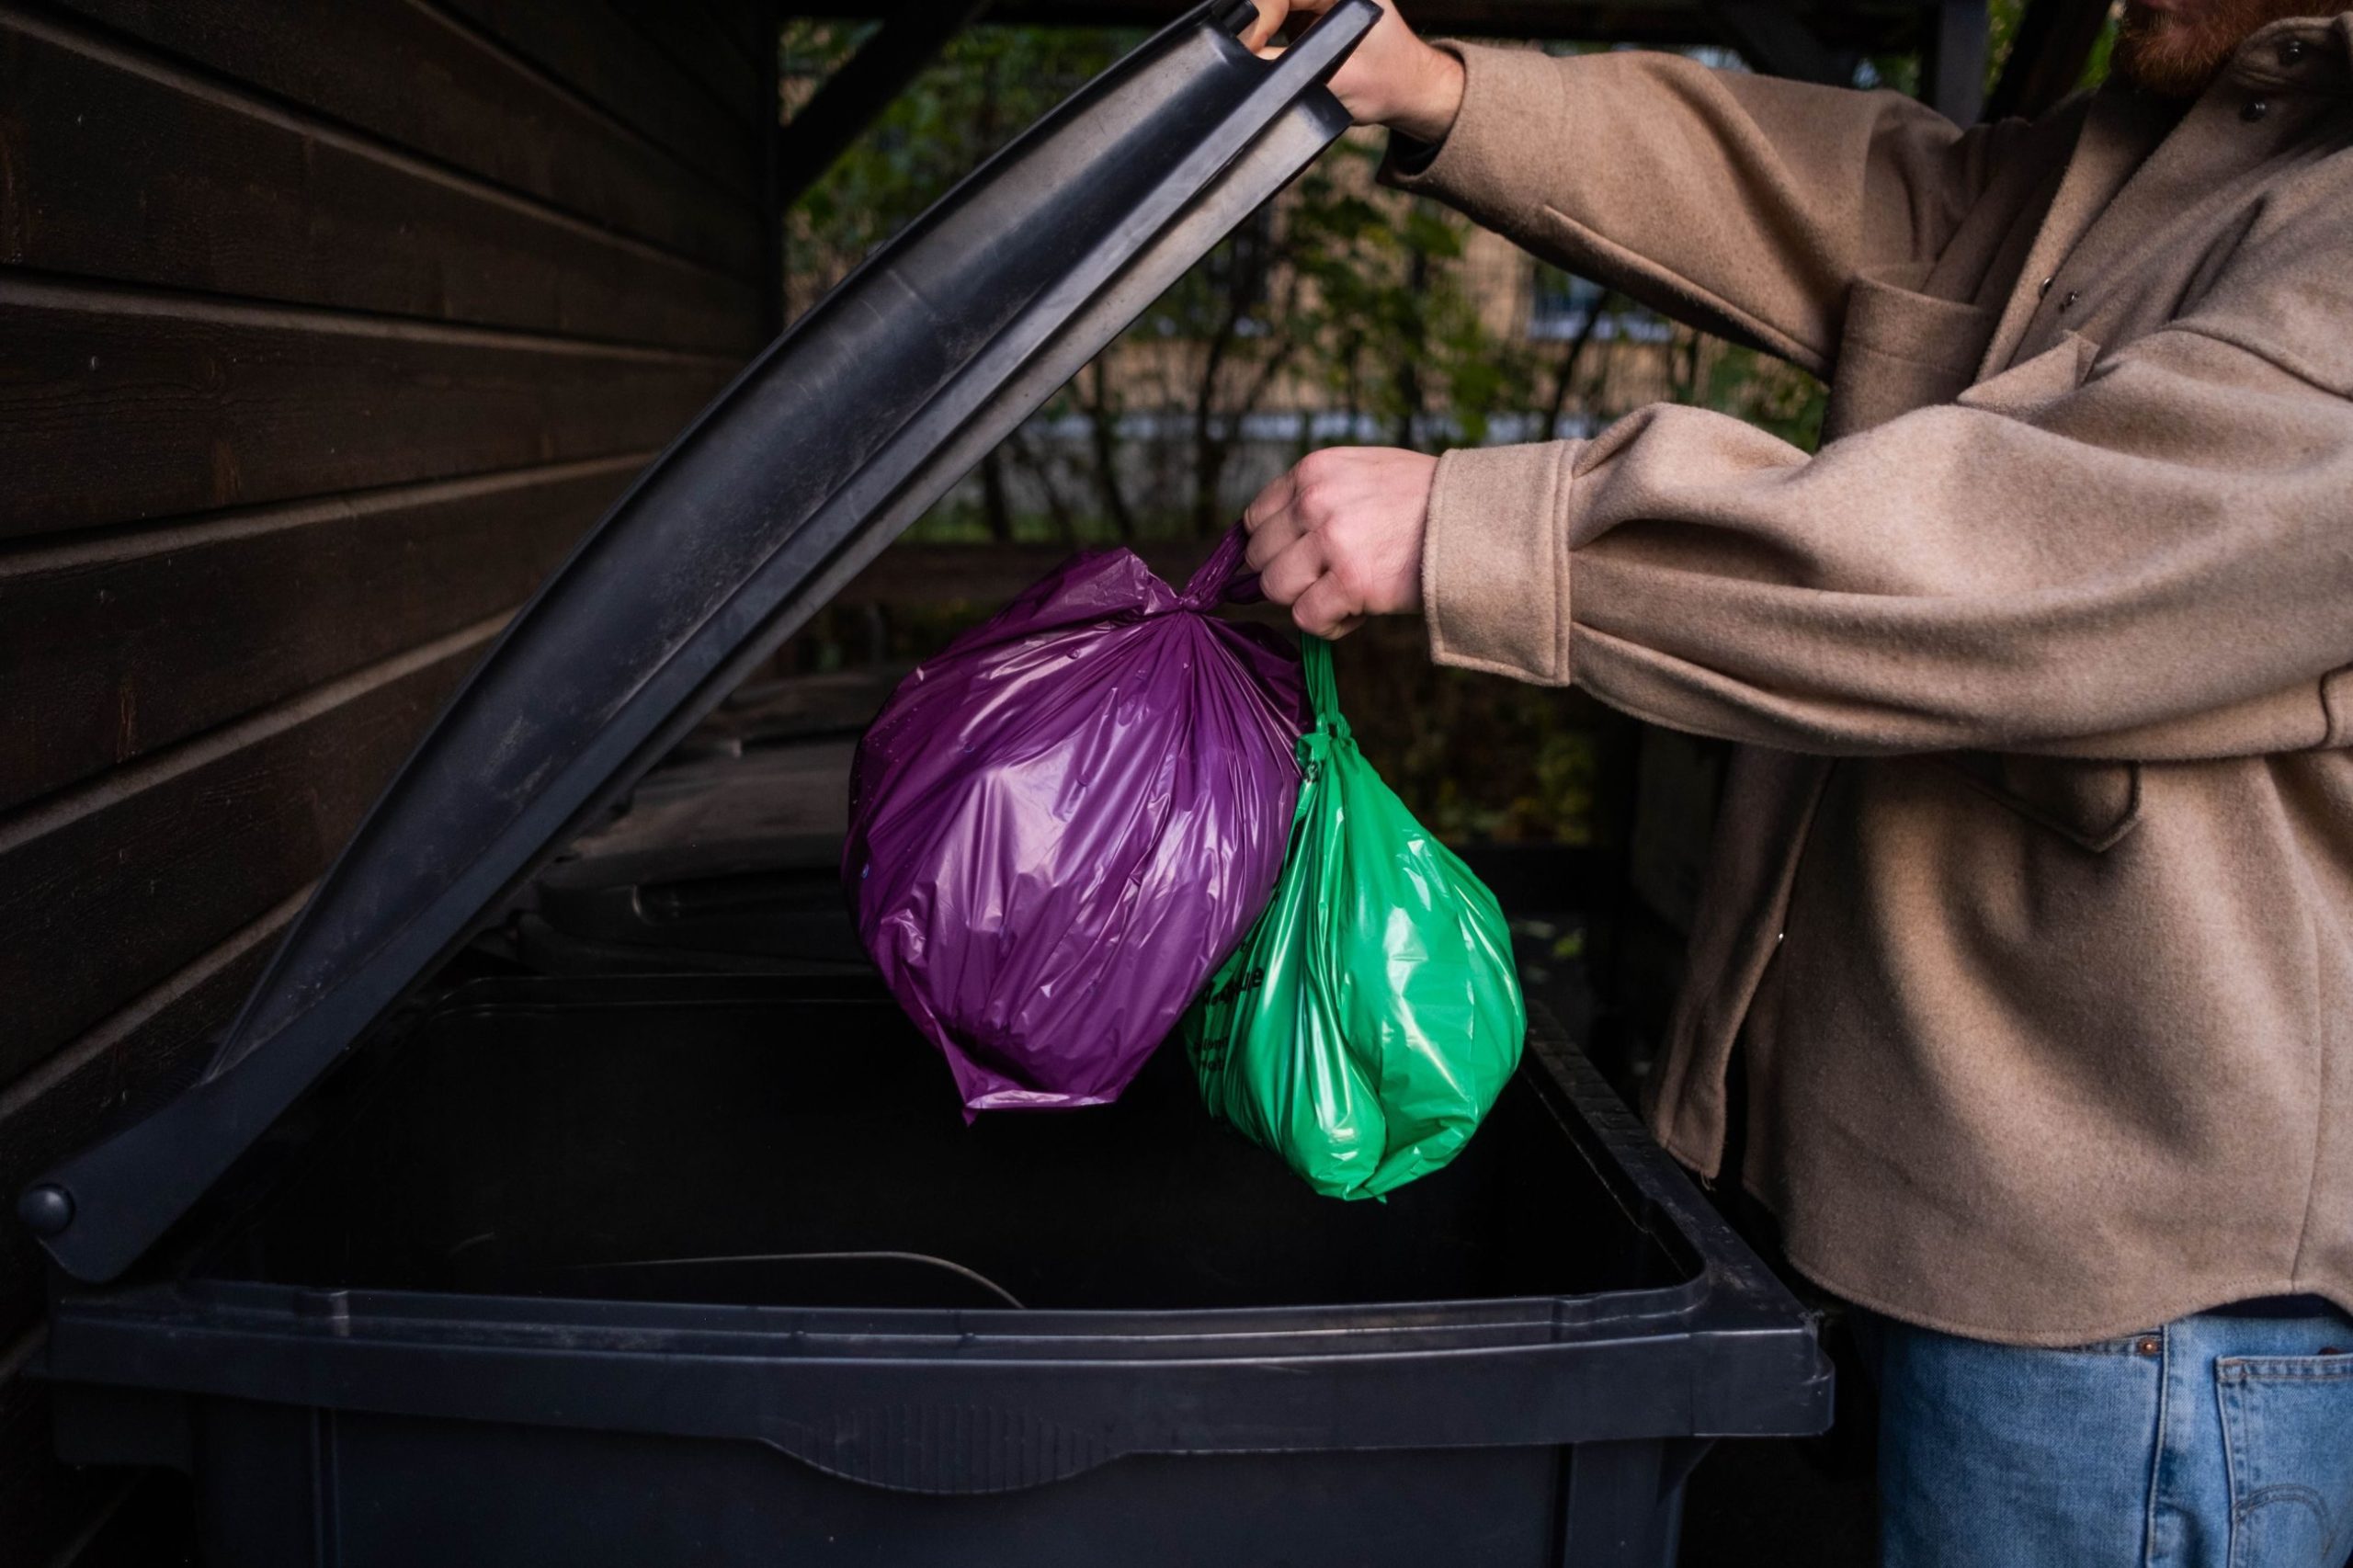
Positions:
{"x": 1740, "y": 204}
{"x": 2063, "y": 578}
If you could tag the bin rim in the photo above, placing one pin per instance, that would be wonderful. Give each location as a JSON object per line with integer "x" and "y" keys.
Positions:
{"x": 1726, "y": 1350}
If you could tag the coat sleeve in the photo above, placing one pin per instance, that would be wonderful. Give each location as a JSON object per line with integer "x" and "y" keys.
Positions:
{"x": 2143, "y": 556}
{"x": 1742, "y": 204}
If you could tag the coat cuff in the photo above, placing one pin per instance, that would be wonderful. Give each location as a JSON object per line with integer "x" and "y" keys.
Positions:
{"x": 1495, "y": 561}
{"x": 1509, "y": 97}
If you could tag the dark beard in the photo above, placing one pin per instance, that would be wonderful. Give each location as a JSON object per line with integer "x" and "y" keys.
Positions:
{"x": 2176, "y": 56}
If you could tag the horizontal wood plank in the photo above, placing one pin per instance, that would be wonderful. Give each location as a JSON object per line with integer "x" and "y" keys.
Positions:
{"x": 695, "y": 40}
{"x": 116, "y": 647}
{"x": 753, "y": 26}
{"x": 62, "y": 1106}
{"x": 118, "y": 406}
{"x": 421, "y": 80}
{"x": 107, "y": 890}
{"x": 124, "y": 166}
{"x": 598, "y": 54}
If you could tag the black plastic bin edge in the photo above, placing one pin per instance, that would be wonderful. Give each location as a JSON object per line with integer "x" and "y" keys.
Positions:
{"x": 1725, "y": 1353}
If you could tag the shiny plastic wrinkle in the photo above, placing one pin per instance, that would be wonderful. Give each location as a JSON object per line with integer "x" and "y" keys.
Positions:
{"x": 1064, "y": 822}
{"x": 1367, "y": 1023}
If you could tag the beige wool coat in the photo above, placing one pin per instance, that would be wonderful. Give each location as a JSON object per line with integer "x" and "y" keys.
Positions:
{"x": 2032, "y": 899}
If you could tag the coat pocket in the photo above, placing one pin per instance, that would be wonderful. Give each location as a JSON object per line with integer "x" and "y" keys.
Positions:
{"x": 1901, "y": 349}
{"x": 2092, "y": 804}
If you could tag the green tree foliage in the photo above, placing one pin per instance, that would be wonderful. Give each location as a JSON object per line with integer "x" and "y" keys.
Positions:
{"x": 989, "y": 85}
{"x": 1342, "y": 300}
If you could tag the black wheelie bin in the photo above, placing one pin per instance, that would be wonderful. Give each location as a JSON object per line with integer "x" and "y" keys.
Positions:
{"x": 709, "y": 1269}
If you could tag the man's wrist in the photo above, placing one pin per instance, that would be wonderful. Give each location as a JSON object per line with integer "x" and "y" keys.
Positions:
{"x": 1433, "y": 100}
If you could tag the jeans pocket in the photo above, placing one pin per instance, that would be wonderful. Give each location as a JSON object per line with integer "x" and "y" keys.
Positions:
{"x": 2286, "y": 1427}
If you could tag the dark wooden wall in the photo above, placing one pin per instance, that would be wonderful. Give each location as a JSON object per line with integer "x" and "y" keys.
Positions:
{"x": 325, "y": 327}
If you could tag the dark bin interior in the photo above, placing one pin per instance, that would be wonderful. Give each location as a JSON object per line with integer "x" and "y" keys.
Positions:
{"x": 576, "y": 1143}
{"x": 728, "y": 857}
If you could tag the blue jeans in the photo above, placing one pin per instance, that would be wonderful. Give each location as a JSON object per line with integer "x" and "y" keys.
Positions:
{"x": 2218, "y": 1441}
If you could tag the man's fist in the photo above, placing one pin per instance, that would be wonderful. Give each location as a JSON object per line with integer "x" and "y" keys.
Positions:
{"x": 1393, "y": 78}
{"x": 1339, "y": 537}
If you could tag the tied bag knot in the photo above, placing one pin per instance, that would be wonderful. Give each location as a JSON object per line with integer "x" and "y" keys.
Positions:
{"x": 1224, "y": 578}
{"x": 1328, "y": 727}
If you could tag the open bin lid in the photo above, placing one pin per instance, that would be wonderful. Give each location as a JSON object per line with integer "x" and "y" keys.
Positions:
{"x": 836, "y": 439}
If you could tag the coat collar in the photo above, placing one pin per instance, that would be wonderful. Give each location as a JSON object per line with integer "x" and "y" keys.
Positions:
{"x": 2122, "y": 128}
{"x": 2313, "y": 53}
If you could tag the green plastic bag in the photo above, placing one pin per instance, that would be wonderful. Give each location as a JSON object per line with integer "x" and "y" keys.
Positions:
{"x": 1371, "y": 1015}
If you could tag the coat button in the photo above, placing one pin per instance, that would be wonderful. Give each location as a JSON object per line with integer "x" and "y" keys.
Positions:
{"x": 2069, "y": 302}
{"x": 2255, "y": 110}
{"x": 2044, "y": 286}
{"x": 2292, "y": 52}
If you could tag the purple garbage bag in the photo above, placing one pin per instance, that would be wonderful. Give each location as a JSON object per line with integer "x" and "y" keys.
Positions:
{"x": 1064, "y": 823}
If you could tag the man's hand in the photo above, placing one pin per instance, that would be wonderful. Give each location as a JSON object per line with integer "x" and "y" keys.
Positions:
{"x": 1339, "y": 537}
{"x": 1393, "y": 79}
